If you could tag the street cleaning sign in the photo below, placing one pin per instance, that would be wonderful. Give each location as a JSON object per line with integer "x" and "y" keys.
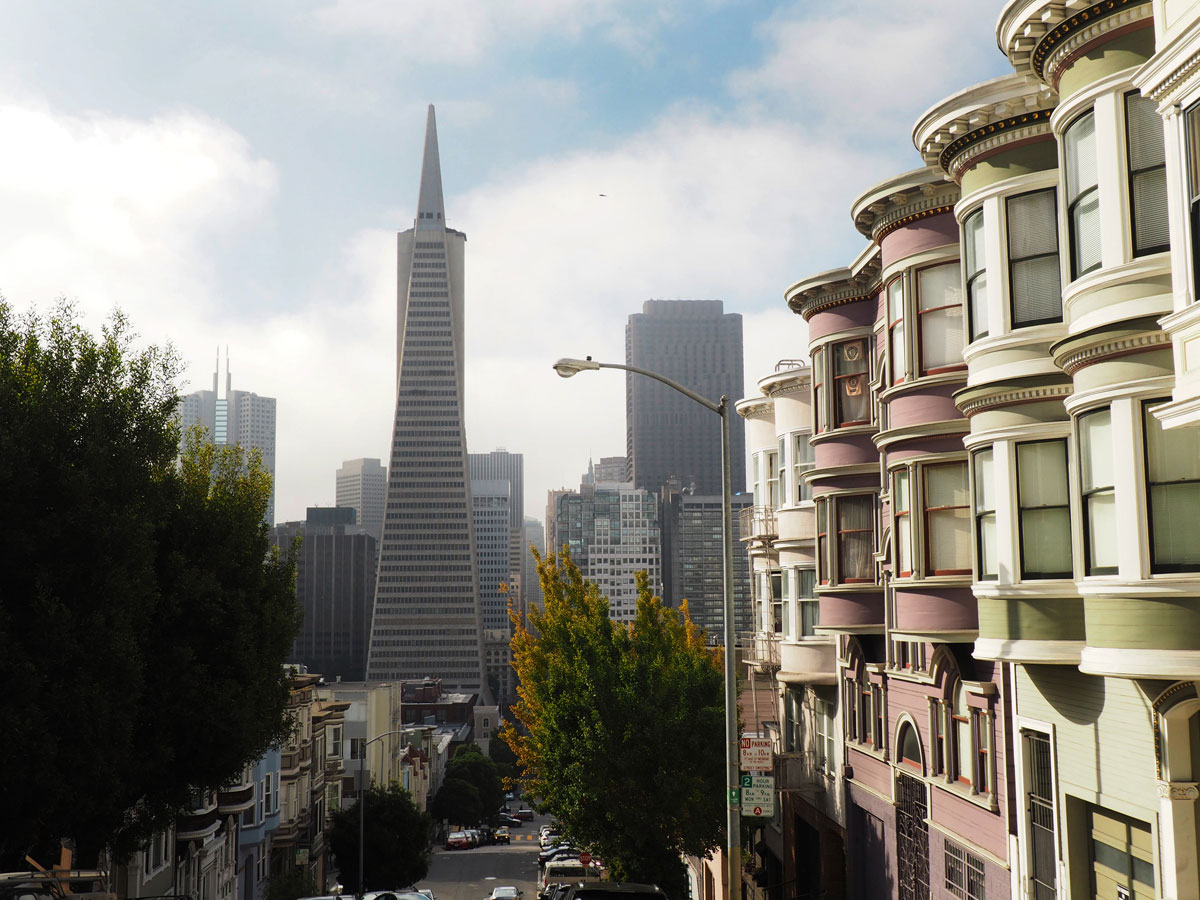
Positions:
{"x": 758, "y": 795}
{"x": 757, "y": 754}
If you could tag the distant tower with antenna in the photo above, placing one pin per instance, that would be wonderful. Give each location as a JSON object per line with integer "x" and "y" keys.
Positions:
{"x": 235, "y": 417}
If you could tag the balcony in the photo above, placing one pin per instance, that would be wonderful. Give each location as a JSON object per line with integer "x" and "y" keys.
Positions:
{"x": 235, "y": 799}
{"x": 757, "y": 525}
{"x": 808, "y": 661}
{"x": 761, "y": 651}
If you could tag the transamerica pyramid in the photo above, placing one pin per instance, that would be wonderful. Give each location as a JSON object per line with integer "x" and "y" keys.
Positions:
{"x": 426, "y": 620}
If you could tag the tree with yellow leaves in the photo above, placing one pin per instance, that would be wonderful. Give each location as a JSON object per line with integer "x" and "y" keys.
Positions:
{"x": 621, "y": 726}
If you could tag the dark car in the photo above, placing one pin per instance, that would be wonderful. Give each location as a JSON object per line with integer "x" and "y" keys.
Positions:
{"x": 613, "y": 890}
{"x": 558, "y": 851}
{"x": 524, "y": 814}
{"x": 510, "y": 821}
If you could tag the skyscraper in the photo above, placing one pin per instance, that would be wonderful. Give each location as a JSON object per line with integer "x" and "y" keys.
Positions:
{"x": 698, "y": 345}
{"x": 240, "y": 417}
{"x": 426, "y": 620}
{"x": 510, "y": 468}
{"x": 362, "y": 484}
{"x": 491, "y": 500}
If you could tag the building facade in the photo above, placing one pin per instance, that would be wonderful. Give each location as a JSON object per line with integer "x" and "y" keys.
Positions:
{"x": 426, "y": 619}
{"x": 500, "y": 465}
{"x": 238, "y": 418}
{"x": 362, "y": 485}
{"x": 699, "y": 345}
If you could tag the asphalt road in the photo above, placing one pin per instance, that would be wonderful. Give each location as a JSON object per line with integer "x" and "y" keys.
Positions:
{"x": 471, "y": 874}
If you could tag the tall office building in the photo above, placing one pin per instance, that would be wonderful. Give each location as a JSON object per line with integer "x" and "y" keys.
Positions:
{"x": 362, "y": 484}
{"x": 612, "y": 531}
{"x": 698, "y": 345}
{"x": 238, "y": 417}
{"x": 426, "y": 619}
{"x": 535, "y": 537}
{"x": 335, "y": 584}
{"x": 491, "y": 500}
{"x": 510, "y": 468}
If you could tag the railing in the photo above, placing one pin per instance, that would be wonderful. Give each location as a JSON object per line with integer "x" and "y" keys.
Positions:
{"x": 762, "y": 649}
{"x": 757, "y": 523}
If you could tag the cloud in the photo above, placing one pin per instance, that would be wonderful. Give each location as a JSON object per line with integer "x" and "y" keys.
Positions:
{"x": 467, "y": 30}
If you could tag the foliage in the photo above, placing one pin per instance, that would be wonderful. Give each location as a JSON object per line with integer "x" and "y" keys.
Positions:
{"x": 457, "y": 802}
{"x": 623, "y": 736}
{"x": 143, "y": 624}
{"x": 291, "y": 884}
{"x": 470, "y": 765}
{"x": 506, "y": 763}
{"x": 396, "y": 854}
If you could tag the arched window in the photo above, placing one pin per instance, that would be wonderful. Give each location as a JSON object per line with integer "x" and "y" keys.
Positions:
{"x": 960, "y": 731}
{"x": 910, "y": 747}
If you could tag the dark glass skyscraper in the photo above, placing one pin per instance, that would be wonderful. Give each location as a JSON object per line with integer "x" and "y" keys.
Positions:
{"x": 426, "y": 620}
{"x": 697, "y": 344}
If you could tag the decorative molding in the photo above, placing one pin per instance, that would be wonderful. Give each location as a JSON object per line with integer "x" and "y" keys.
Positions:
{"x": 1074, "y": 360}
{"x": 902, "y": 201}
{"x": 1178, "y": 82}
{"x": 1178, "y": 790}
{"x": 756, "y": 409}
{"x": 1012, "y": 397}
{"x": 974, "y": 146}
{"x": 1074, "y": 31}
{"x": 800, "y": 385}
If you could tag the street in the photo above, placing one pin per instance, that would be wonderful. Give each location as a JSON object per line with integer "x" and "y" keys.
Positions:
{"x": 472, "y": 874}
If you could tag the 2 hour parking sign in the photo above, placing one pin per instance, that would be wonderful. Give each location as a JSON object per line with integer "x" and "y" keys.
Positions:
{"x": 758, "y": 795}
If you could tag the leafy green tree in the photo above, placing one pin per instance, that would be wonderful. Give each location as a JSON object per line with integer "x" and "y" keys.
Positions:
{"x": 472, "y": 766}
{"x": 457, "y": 802}
{"x": 142, "y": 620}
{"x": 291, "y": 884}
{"x": 506, "y": 763}
{"x": 623, "y": 726}
{"x": 396, "y": 854}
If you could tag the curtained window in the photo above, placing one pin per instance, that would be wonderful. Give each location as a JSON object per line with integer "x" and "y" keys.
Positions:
{"x": 1173, "y": 490}
{"x": 902, "y": 514}
{"x": 818, "y": 369}
{"x": 895, "y": 303}
{"x": 853, "y": 399}
{"x": 802, "y": 461}
{"x": 947, "y": 520}
{"x": 1033, "y": 271}
{"x": 856, "y": 531}
{"x": 1044, "y": 509}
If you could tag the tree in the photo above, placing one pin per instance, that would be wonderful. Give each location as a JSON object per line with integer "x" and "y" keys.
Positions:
{"x": 623, "y": 726}
{"x": 291, "y": 884}
{"x": 143, "y": 622}
{"x": 457, "y": 802}
{"x": 396, "y": 854}
{"x": 470, "y": 765}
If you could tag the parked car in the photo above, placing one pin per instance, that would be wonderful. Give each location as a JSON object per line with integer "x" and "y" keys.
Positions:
{"x": 509, "y": 795}
{"x": 562, "y": 850}
{"x": 549, "y": 838}
{"x": 474, "y": 836}
{"x": 501, "y": 835}
{"x": 525, "y": 814}
{"x": 570, "y": 871}
{"x": 614, "y": 890}
{"x": 505, "y": 892}
{"x": 510, "y": 821}
{"x": 458, "y": 840}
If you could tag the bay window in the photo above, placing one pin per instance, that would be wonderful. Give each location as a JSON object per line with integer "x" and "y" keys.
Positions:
{"x": 818, "y": 376}
{"x": 1033, "y": 273}
{"x": 895, "y": 305}
{"x": 826, "y": 738}
{"x": 947, "y": 520}
{"x": 1083, "y": 194}
{"x": 823, "y": 561}
{"x": 1191, "y": 127}
{"x": 1147, "y": 175}
{"x": 1173, "y": 494}
{"x": 901, "y": 513}
{"x": 1097, "y": 480}
{"x": 985, "y": 516}
{"x": 856, "y": 530}
{"x": 806, "y": 596}
{"x": 770, "y": 463}
{"x": 781, "y": 584}
{"x": 802, "y": 461}
{"x": 781, "y": 459}
{"x": 940, "y": 317}
{"x": 1044, "y": 510}
{"x": 850, "y": 375}
{"x": 975, "y": 259}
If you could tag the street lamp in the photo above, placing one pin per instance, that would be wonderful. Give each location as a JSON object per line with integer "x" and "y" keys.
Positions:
{"x": 568, "y": 367}
{"x": 362, "y": 786}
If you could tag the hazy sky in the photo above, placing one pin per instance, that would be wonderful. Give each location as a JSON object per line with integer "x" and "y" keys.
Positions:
{"x": 233, "y": 174}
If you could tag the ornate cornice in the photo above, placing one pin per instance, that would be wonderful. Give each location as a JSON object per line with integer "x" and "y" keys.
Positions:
{"x": 1072, "y": 360}
{"x": 818, "y": 294}
{"x": 902, "y": 201}
{"x": 756, "y": 409}
{"x": 979, "y": 399}
{"x": 1060, "y": 44}
{"x": 800, "y": 385}
{"x": 981, "y": 143}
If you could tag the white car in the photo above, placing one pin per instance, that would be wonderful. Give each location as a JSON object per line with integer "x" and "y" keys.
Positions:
{"x": 506, "y": 892}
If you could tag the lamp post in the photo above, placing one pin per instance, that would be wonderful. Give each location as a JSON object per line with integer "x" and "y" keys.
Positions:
{"x": 362, "y": 787}
{"x": 568, "y": 367}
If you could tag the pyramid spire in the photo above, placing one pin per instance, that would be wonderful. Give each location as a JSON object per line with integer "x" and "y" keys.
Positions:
{"x": 431, "y": 210}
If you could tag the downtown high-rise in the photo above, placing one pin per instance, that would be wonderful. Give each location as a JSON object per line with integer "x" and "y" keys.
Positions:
{"x": 426, "y": 620}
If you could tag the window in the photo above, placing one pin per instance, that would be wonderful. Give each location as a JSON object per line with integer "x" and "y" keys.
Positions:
{"x": 964, "y": 873}
{"x": 940, "y": 314}
{"x": 262, "y": 798}
{"x": 818, "y": 367}
{"x": 810, "y": 607}
{"x": 823, "y": 561}
{"x": 895, "y": 303}
{"x": 975, "y": 269}
{"x": 1097, "y": 478}
{"x": 781, "y": 583}
{"x": 938, "y": 742}
{"x": 794, "y": 730}
{"x": 850, "y": 712}
{"x": 1147, "y": 175}
{"x": 1033, "y": 274}
{"x": 1044, "y": 512}
{"x": 771, "y": 464}
{"x": 985, "y": 516}
{"x": 1191, "y": 126}
{"x": 784, "y": 493}
{"x": 826, "y": 738}
{"x": 755, "y": 464}
{"x": 270, "y": 801}
{"x": 335, "y": 741}
{"x": 1173, "y": 494}
{"x": 901, "y": 512}
{"x": 850, "y": 376}
{"x": 261, "y": 869}
{"x": 910, "y": 747}
{"x": 947, "y": 520}
{"x": 1083, "y": 195}
{"x": 802, "y": 461}
{"x": 961, "y": 735}
{"x": 356, "y": 747}
{"x": 856, "y": 529}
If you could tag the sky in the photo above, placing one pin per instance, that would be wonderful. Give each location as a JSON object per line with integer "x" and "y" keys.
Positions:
{"x": 233, "y": 175}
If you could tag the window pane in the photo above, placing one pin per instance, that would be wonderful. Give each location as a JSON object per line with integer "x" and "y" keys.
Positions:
{"x": 1191, "y": 125}
{"x": 985, "y": 490}
{"x": 1085, "y": 234}
{"x": 1096, "y": 456}
{"x": 1149, "y": 202}
{"x": 855, "y": 538}
{"x": 1080, "y": 140}
{"x": 985, "y": 505}
{"x": 939, "y": 286}
{"x": 1036, "y": 291}
{"x": 946, "y": 485}
{"x": 1171, "y": 455}
{"x": 1045, "y": 542}
{"x": 899, "y": 363}
{"x": 1042, "y": 474}
{"x": 1173, "y": 473}
{"x": 941, "y": 338}
{"x": 1145, "y": 127}
{"x": 988, "y": 565}
{"x": 850, "y": 360}
{"x": 895, "y": 300}
{"x": 973, "y": 243}
{"x": 1102, "y": 531}
{"x": 978, "y": 300}
{"x": 1032, "y": 225}
{"x": 949, "y": 541}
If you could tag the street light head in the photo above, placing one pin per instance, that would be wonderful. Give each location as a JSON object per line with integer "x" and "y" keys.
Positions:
{"x": 567, "y": 367}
